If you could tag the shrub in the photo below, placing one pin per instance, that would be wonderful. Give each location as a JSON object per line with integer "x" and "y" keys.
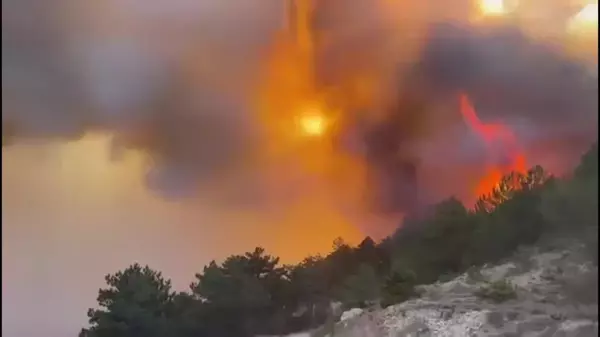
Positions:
{"x": 498, "y": 291}
{"x": 508, "y": 218}
{"x": 361, "y": 288}
{"x": 398, "y": 287}
{"x": 588, "y": 167}
{"x": 570, "y": 207}
{"x": 437, "y": 244}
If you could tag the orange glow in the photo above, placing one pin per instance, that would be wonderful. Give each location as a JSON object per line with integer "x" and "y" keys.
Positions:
{"x": 585, "y": 21}
{"x": 499, "y": 140}
{"x": 589, "y": 14}
{"x": 314, "y": 184}
{"x": 492, "y": 7}
{"x": 313, "y": 123}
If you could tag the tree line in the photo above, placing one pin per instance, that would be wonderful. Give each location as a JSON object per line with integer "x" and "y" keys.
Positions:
{"x": 253, "y": 293}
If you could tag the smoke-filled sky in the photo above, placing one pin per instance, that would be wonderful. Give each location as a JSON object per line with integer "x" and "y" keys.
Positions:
{"x": 70, "y": 216}
{"x": 132, "y": 137}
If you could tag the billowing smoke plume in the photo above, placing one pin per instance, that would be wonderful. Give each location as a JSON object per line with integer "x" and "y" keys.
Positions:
{"x": 169, "y": 78}
{"x": 547, "y": 97}
{"x": 533, "y": 85}
{"x": 512, "y": 73}
{"x": 175, "y": 79}
{"x": 536, "y": 88}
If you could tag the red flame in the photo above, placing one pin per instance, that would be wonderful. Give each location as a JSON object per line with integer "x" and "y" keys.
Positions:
{"x": 505, "y": 155}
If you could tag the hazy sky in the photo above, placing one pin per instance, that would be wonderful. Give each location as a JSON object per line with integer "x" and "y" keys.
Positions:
{"x": 70, "y": 216}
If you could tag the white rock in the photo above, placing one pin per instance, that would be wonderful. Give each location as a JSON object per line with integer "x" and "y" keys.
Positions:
{"x": 350, "y": 314}
{"x": 496, "y": 273}
{"x": 459, "y": 325}
{"x": 450, "y": 309}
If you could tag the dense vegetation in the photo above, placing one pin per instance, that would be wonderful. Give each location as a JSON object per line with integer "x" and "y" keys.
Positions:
{"x": 253, "y": 293}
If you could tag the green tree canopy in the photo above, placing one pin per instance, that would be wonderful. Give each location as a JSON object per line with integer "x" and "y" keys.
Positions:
{"x": 135, "y": 304}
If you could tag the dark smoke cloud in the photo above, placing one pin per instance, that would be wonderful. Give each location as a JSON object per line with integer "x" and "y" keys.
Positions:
{"x": 544, "y": 94}
{"x": 515, "y": 73}
{"x": 69, "y": 68}
{"x": 533, "y": 86}
{"x": 547, "y": 97}
{"x": 168, "y": 78}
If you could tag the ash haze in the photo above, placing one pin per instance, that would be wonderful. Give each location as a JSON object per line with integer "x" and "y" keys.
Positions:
{"x": 70, "y": 216}
{"x": 131, "y": 137}
{"x": 78, "y": 205}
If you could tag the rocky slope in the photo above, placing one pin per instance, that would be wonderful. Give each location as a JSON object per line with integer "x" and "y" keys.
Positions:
{"x": 553, "y": 294}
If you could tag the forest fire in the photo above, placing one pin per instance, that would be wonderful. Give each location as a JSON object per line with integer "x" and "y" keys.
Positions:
{"x": 504, "y": 154}
{"x": 177, "y": 132}
{"x": 310, "y": 98}
{"x": 334, "y": 114}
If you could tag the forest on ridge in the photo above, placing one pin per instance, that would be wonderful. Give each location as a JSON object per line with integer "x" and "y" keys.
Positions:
{"x": 253, "y": 293}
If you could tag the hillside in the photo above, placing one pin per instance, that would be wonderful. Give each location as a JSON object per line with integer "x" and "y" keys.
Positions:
{"x": 449, "y": 271}
{"x": 538, "y": 292}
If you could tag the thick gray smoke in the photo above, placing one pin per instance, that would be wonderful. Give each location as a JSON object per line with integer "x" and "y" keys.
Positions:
{"x": 546, "y": 97}
{"x": 539, "y": 90}
{"x": 170, "y": 78}
{"x": 174, "y": 78}
{"x": 544, "y": 94}
{"x": 515, "y": 74}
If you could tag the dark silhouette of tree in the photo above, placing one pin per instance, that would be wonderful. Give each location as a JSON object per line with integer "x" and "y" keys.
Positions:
{"x": 309, "y": 291}
{"x": 570, "y": 207}
{"x": 135, "y": 304}
{"x": 361, "y": 288}
{"x": 249, "y": 289}
{"x": 398, "y": 287}
{"x": 588, "y": 167}
{"x": 511, "y": 184}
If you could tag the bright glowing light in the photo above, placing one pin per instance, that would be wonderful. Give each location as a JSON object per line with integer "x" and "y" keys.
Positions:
{"x": 585, "y": 21}
{"x": 313, "y": 124}
{"x": 492, "y": 7}
{"x": 588, "y": 15}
